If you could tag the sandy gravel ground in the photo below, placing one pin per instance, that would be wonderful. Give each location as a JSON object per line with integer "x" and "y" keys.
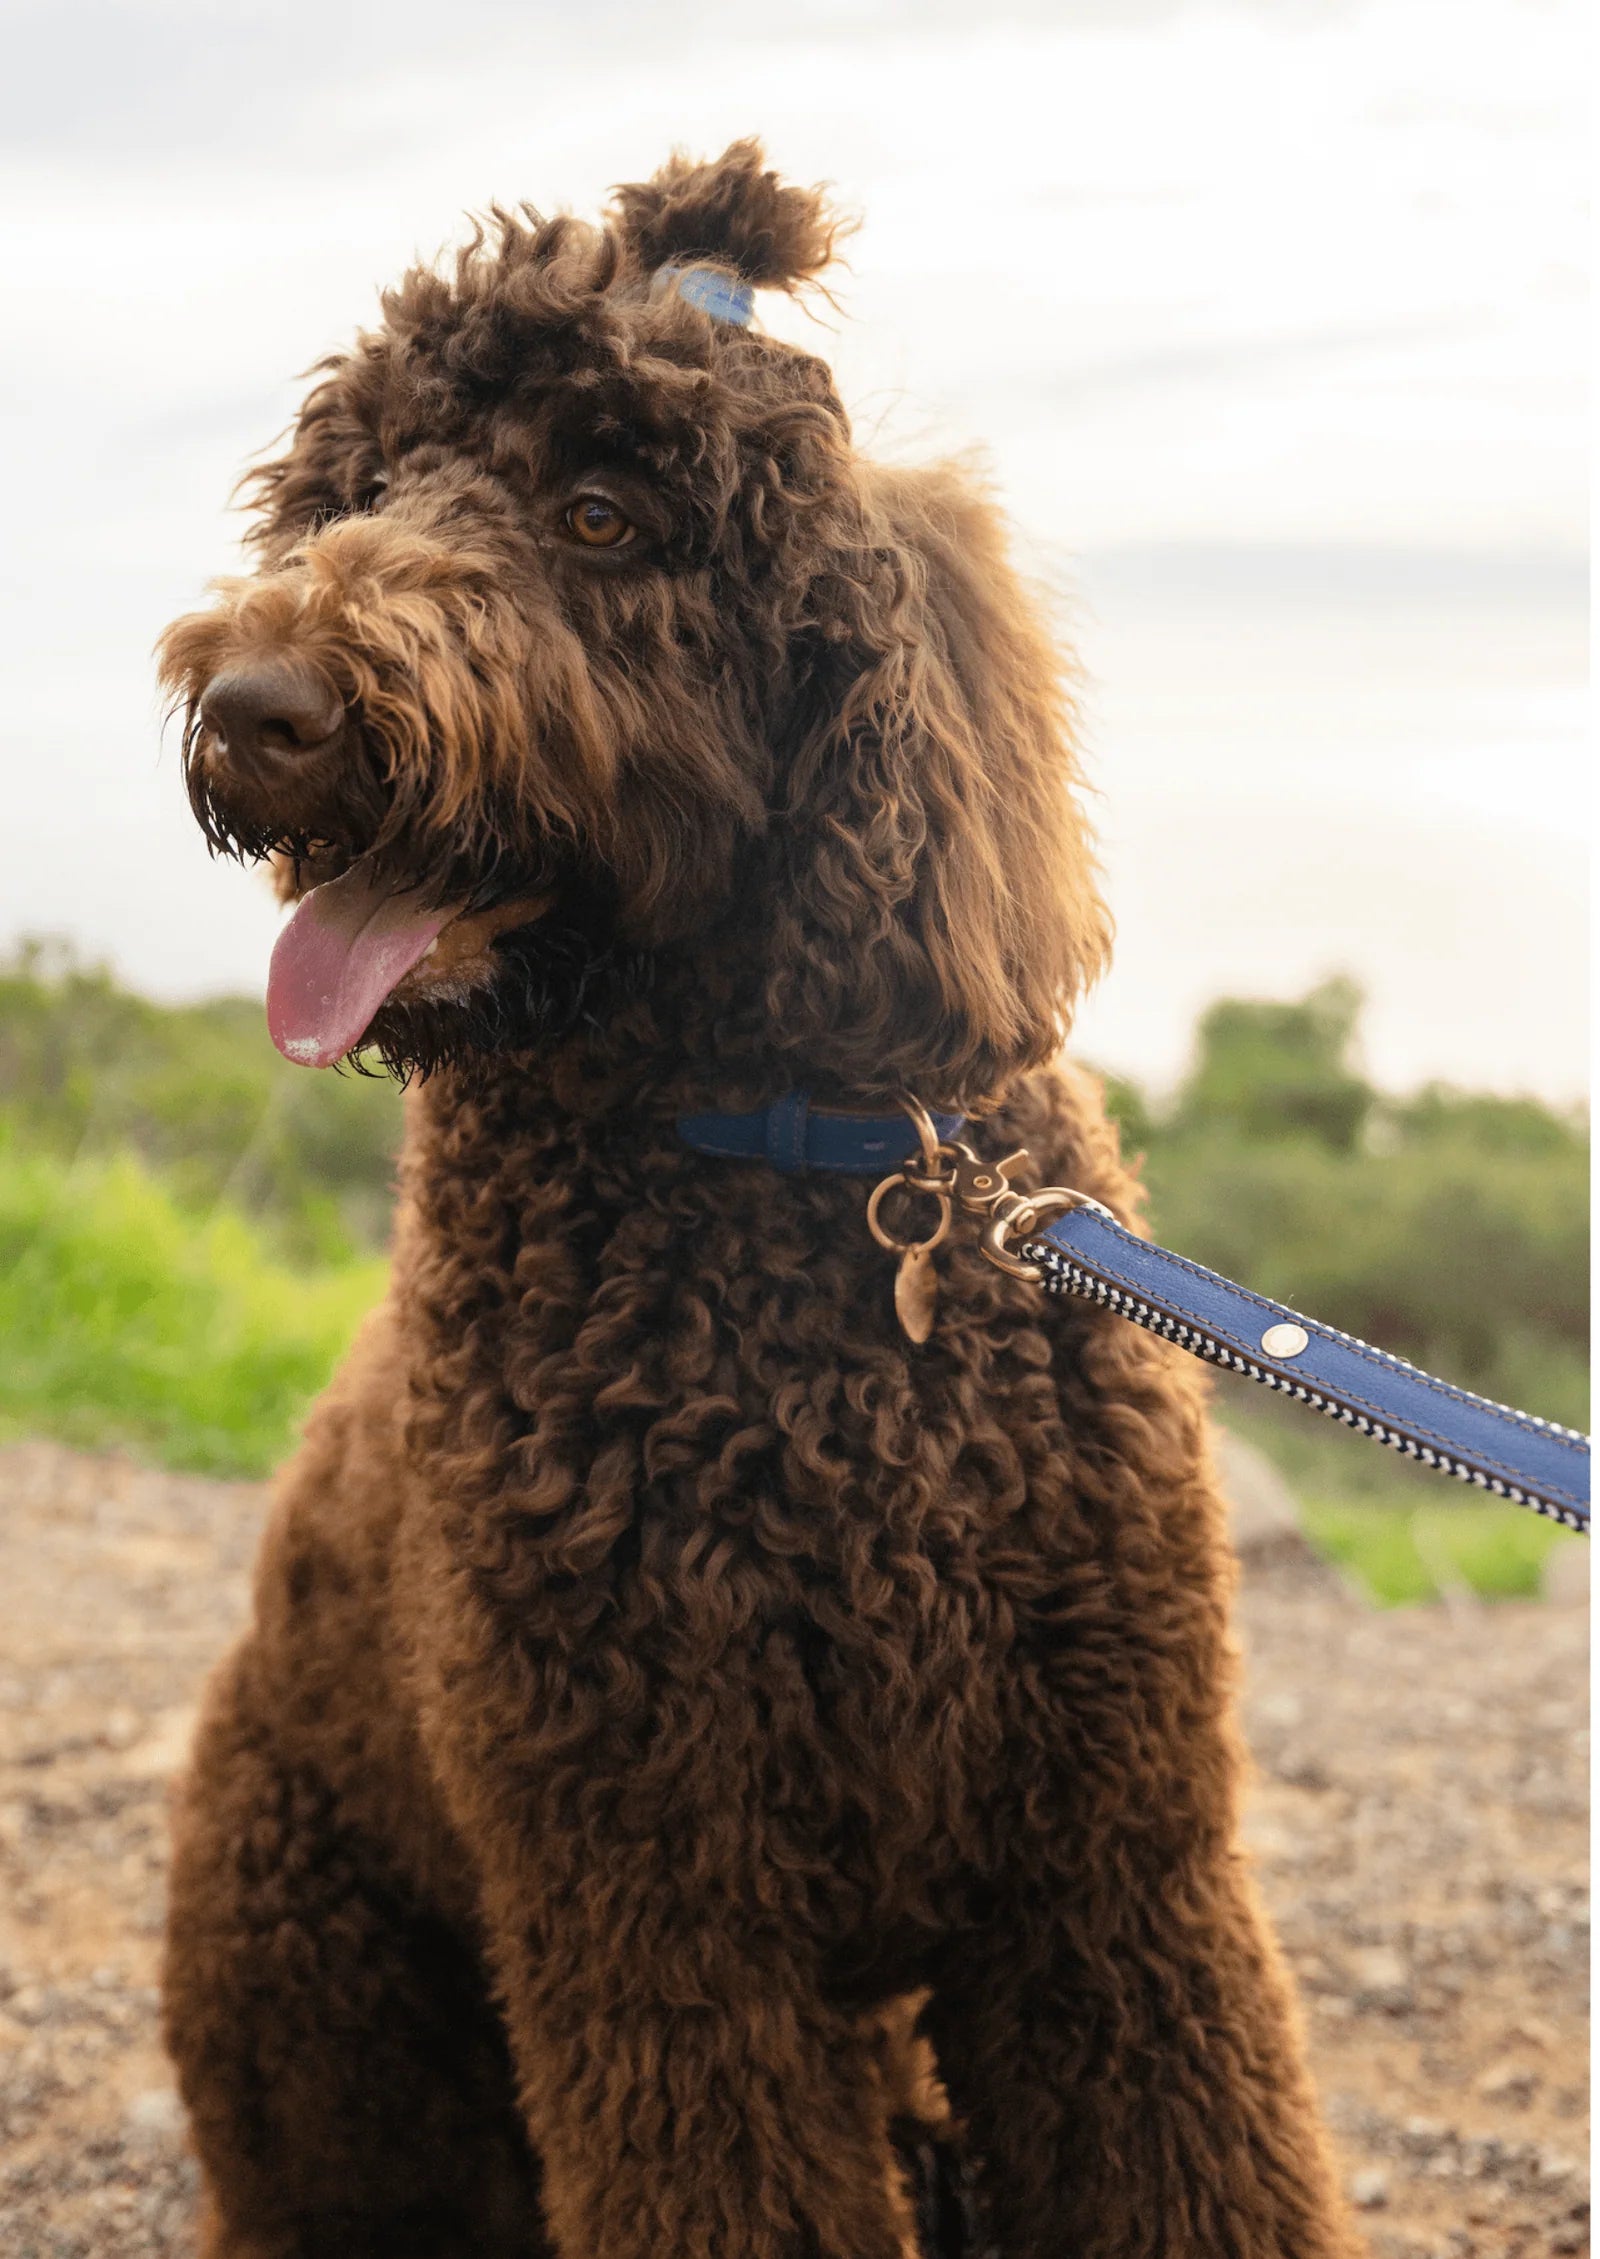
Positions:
{"x": 1419, "y": 1823}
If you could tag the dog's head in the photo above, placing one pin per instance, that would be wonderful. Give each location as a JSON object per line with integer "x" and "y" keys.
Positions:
{"x": 583, "y": 638}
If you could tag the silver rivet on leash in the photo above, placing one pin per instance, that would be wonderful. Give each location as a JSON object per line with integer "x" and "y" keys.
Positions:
{"x": 1284, "y": 1341}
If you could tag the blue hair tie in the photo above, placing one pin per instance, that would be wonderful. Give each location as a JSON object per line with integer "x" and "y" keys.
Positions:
{"x": 724, "y": 297}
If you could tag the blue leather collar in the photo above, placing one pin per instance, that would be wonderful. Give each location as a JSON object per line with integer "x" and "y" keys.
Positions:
{"x": 794, "y": 1137}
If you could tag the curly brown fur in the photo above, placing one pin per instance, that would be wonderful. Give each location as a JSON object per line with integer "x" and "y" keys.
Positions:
{"x": 732, "y": 211}
{"x": 661, "y": 1669}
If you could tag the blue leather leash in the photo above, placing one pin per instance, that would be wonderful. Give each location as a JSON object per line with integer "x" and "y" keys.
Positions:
{"x": 1086, "y": 1252}
{"x": 1533, "y": 1462}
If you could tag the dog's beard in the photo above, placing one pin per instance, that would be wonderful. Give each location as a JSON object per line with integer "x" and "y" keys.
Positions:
{"x": 549, "y": 981}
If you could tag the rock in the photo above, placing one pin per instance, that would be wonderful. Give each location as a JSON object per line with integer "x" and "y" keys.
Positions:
{"x": 1382, "y": 1979}
{"x": 1270, "y": 1843}
{"x": 1553, "y": 2166}
{"x": 1262, "y": 1510}
{"x": 164, "y": 1749}
{"x": 1379, "y": 1968}
{"x": 1369, "y": 2189}
{"x": 1302, "y": 1769}
{"x": 1508, "y": 2082}
{"x": 121, "y": 1729}
{"x": 154, "y": 2119}
{"x": 1565, "y": 1583}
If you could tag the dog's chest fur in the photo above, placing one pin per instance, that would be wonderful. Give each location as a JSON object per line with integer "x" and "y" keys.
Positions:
{"x": 720, "y": 1552}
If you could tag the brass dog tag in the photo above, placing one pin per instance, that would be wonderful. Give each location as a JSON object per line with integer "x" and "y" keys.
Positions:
{"x": 916, "y": 1292}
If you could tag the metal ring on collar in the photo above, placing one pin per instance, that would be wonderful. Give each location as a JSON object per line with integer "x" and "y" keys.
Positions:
{"x": 886, "y": 1239}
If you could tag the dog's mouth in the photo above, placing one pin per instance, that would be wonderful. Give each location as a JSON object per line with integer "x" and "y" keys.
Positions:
{"x": 356, "y": 940}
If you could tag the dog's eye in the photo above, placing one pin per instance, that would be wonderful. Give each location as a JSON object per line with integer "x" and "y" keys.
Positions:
{"x": 374, "y": 491}
{"x": 597, "y": 523}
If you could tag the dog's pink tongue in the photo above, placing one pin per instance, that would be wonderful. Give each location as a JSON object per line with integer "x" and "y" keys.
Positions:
{"x": 337, "y": 959}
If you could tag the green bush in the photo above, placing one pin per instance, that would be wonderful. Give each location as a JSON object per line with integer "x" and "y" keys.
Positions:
{"x": 1473, "y": 1265}
{"x": 1265, "y": 1071}
{"x": 128, "y": 1321}
{"x": 1450, "y": 1228}
{"x": 198, "y": 1092}
{"x": 1400, "y": 1557}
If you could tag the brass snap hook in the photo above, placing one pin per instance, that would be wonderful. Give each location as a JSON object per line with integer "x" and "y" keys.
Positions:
{"x": 1020, "y": 1216}
{"x": 956, "y": 1177}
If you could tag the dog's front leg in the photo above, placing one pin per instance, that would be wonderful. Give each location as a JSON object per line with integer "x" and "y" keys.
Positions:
{"x": 691, "y": 2094}
{"x": 1124, "y": 2053}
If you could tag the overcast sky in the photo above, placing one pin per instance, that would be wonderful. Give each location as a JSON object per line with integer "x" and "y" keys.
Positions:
{"x": 1269, "y": 318}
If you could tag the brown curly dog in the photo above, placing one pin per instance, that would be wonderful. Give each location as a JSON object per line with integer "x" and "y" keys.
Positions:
{"x": 661, "y": 1668}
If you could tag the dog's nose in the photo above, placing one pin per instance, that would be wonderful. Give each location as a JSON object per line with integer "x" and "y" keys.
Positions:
{"x": 276, "y": 706}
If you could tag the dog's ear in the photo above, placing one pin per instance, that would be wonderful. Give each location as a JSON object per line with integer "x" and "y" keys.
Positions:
{"x": 934, "y": 910}
{"x": 731, "y": 210}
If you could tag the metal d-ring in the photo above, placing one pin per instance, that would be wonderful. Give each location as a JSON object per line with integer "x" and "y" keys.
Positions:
{"x": 927, "y": 1130}
{"x": 886, "y": 1239}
